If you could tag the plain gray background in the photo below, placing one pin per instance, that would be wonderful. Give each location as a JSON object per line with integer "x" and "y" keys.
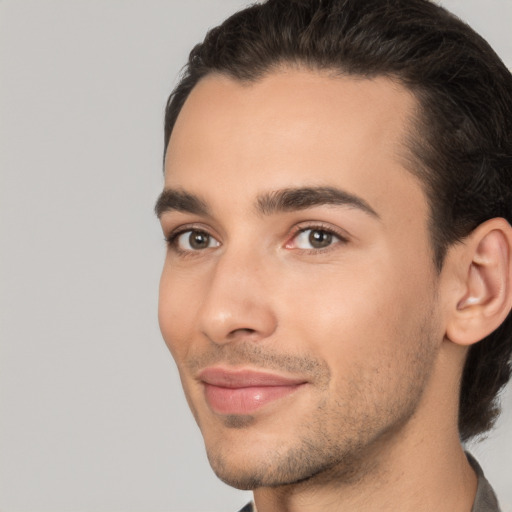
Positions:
{"x": 92, "y": 416}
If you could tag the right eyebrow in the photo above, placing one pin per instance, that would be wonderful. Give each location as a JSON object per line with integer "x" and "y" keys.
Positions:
{"x": 302, "y": 198}
{"x": 181, "y": 201}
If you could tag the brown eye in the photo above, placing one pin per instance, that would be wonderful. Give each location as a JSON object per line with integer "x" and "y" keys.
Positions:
{"x": 314, "y": 238}
{"x": 194, "y": 240}
{"x": 198, "y": 240}
{"x": 319, "y": 238}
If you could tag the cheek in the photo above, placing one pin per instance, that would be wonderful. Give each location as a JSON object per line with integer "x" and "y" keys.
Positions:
{"x": 175, "y": 313}
{"x": 358, "y": 315}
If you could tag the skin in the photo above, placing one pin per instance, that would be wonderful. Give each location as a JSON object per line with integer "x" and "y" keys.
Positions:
{"x": 361, "y": 321}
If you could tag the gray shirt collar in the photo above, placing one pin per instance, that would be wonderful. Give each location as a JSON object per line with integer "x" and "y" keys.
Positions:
{"x": 485, "y": 499}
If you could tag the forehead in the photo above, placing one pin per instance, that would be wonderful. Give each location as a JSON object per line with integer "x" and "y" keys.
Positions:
{"x": 293, "y": 128}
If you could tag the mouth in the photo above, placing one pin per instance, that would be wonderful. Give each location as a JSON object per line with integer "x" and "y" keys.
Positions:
{"x": 242, "y": 392}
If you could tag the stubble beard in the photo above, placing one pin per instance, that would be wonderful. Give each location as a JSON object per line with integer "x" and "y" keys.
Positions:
{"x": 340, "y": 443}
{"x": 318, "y": 457}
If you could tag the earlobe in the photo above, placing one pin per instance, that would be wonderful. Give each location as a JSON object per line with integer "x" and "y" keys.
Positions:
{"x": 483, "y": 297}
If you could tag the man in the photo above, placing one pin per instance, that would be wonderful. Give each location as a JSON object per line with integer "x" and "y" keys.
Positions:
{"x": 338, "y": 281}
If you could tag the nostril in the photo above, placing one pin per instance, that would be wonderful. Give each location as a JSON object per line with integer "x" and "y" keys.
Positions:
{"x": 242, "y": 332}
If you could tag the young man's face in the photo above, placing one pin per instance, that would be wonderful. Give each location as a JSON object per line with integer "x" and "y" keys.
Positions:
{"x": 298, "y": 295}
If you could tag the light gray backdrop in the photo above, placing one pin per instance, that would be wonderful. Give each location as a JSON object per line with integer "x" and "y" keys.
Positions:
{"x": 92, "y": 416}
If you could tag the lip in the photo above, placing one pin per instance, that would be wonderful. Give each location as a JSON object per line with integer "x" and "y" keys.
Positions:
{"x": 242, "y": 392}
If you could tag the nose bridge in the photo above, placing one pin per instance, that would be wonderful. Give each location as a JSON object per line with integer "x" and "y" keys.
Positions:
{"x": 237, "y": 301}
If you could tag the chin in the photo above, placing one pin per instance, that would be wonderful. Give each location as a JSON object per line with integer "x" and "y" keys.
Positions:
{"x": 248, "y": 464}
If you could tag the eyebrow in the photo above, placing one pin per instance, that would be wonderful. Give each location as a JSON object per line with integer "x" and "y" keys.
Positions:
{"x": 269, "y": 203}
{"x": 302, "y": 198}
{"x": 180, "y": 201}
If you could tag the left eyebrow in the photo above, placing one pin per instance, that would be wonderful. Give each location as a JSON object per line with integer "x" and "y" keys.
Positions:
{"x": 180, "y": 201}
{"x": 291, "y": 199}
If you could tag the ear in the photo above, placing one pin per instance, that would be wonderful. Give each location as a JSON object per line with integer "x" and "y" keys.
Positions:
{"x": 481, "y": 292}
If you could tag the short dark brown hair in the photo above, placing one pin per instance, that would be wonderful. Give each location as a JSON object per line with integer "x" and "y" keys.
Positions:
{"x": 462, "y": 144}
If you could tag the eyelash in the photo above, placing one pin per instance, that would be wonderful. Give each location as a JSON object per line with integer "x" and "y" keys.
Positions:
{"x": 302, "y": 228}
{"x": 172, "y": 238}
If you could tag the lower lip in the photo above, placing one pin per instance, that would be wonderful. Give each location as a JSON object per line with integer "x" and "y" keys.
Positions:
{"x": 245, "y": 400}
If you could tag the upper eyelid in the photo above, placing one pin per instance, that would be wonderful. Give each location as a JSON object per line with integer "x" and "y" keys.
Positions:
{"x": 188, "y": 226}
{"x": 320, "y": 226}
{"x": 175, "y": 234}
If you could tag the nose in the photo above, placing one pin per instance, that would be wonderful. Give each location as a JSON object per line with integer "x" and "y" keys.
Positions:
{"x": 237, "y": 304}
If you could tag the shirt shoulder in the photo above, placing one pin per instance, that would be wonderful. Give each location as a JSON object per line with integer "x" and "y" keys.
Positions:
{"x": 485, "y": 499}
{"x": 248, "y": 508}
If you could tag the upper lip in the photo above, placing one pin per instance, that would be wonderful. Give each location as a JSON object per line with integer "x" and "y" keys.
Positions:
{"x": 244, "y": 378}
